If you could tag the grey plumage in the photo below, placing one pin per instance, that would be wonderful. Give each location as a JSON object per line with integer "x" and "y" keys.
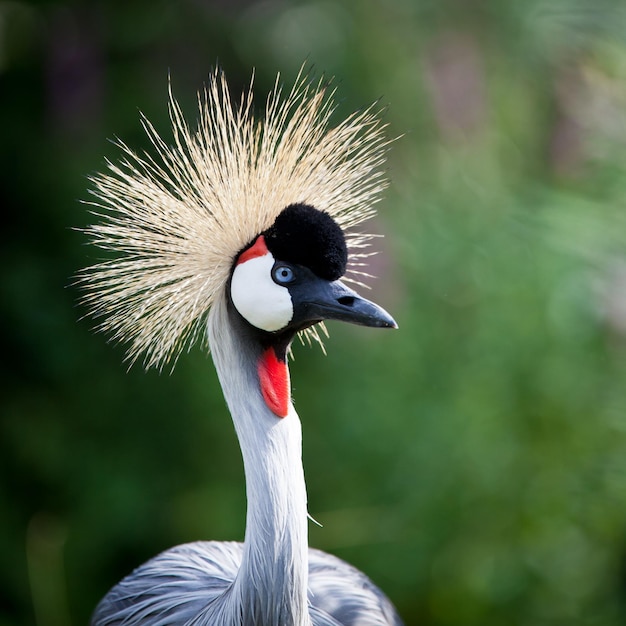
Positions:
{"x": 189, "y": 585}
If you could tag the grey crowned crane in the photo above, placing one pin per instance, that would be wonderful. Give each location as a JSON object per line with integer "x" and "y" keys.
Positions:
{"x": 243, "y": 227}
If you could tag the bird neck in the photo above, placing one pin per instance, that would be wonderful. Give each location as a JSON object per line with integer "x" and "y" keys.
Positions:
{"x": 271, "y": 585}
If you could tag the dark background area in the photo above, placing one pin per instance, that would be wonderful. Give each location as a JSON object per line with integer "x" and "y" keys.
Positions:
{"x": 473, "y": 463}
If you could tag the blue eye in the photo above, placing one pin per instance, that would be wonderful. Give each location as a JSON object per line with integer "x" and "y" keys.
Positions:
{"x": 283, "y": 274}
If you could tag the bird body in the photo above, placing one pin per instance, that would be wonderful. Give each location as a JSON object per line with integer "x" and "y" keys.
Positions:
{"x": 283, "y": 280}
{"x": 189, "y": 584}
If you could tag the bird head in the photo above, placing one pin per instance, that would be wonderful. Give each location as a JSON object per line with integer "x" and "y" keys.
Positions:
{"x": 286, "y": 281}
{"x": 261, "y": 213}
{"x": 288, "y": 278}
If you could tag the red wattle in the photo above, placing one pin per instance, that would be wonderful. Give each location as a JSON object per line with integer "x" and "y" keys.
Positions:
{"x": 274, "y": 380}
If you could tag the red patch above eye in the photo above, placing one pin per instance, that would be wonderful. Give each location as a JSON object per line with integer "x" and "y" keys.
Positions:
{"x": 257, "y": 249}
{"x": 274, "y": 380}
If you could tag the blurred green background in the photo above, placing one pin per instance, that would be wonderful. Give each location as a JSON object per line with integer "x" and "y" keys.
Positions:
{"x": 473, "y": 463}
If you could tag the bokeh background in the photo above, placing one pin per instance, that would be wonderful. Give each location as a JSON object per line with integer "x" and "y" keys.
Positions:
{"x": 472, "y": 463}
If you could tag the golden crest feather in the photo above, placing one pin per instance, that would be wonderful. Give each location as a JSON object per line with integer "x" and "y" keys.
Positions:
{"x": 176, "y": 219}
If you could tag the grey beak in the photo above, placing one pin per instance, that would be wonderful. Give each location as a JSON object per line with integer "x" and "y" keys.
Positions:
{"x": 319, "y": 300}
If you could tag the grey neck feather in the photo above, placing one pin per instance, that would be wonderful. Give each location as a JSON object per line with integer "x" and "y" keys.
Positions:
{"x": 271, "y": 586}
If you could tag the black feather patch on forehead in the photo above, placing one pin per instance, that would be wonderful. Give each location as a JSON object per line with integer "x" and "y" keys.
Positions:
{"x": 307, "y": 236}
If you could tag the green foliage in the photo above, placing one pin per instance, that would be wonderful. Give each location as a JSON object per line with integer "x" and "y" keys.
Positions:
{"x": 473, "y": 463}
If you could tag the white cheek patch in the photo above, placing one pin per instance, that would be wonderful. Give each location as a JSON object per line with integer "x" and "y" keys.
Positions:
{"x": 257, "y": 297}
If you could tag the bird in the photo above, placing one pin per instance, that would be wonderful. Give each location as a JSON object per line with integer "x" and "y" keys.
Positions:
{"x": 242, "y": 232}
